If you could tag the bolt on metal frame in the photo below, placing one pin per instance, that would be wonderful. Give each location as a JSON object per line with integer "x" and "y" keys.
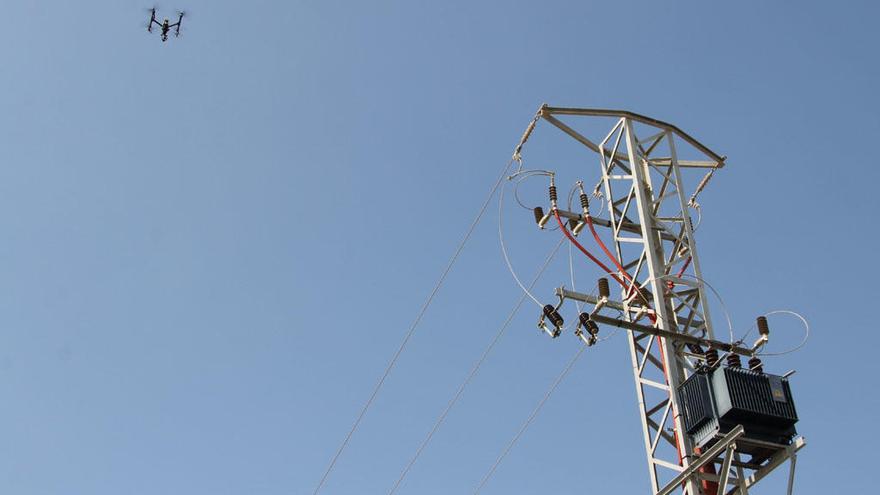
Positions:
{"x": 643, "y": 187}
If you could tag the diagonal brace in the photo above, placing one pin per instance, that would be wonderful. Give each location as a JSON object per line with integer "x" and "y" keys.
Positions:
{"x": 707, "y": 457}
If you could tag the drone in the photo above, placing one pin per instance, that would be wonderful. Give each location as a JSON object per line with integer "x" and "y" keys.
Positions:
{"x": 165, "y": 24}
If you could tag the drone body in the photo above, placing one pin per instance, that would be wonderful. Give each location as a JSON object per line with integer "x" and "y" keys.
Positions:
{"x": 165, "y": 25}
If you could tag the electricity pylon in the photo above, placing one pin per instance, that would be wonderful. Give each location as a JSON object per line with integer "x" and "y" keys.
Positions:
{"x": 667, "y": 317}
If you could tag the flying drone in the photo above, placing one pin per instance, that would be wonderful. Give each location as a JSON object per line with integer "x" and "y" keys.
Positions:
{"x": 165, "y": 25}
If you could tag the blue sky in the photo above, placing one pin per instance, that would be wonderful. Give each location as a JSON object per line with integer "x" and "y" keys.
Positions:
{"x": 212, "y": 246}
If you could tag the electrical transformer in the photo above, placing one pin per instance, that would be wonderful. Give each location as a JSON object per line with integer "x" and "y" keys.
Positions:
{"x": 715, "y": 401}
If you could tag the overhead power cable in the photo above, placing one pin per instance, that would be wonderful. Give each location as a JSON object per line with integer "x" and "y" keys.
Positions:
{"x": 525, "y": 290}
{"x": 414, "y": 325}
{"x": 473, "y": 372}
{"x": 795, "y": 348}
{"x": 584, "y": 250}
{"x": 531, "y": 418}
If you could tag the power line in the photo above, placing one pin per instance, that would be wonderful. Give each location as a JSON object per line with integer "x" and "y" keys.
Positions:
{"x": 473, "y": 371}
{"x": 414, "y": 325}
{"x": 530, "y": 419}
{"x": 504, "y": 246}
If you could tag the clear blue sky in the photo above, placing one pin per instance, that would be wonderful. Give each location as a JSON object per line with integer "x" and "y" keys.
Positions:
{"x": 210, "y": 248}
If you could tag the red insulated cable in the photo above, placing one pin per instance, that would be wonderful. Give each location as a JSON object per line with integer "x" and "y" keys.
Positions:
{"x": 670, "y": 284}
{"x": 622, "y": 271}
{"x": 666, "y": 378}
{"x": 684, "y": 267}
{"x": 617, "y": 264}
{"x": 583, "y": 250}
{"x": 652, "y": 317}
{"x": 710, "y": 487}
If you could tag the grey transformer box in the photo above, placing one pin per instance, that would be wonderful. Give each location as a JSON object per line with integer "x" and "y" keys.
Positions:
{"x": 714, "y": 401}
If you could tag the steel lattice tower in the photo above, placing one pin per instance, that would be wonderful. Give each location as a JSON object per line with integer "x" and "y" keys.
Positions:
{"x": 644, "y": 183}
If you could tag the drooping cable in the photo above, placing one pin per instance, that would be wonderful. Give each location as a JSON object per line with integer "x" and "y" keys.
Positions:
{"x": 720, "y": 301}
{"x": 699, "y": 219}
{"x": 797, "y": 347}
{"x": 414, "y": 326}
{"x": 584, "y": 250}
{"x": 711, "y": 289}
{"x": 519, "y": 177}
{"x": 629, "y": 290}
{"x": 617, "y": 264}
{"x": 577, "y": 303}
{"x": 473, "y": 372}
{"x": 526, "y": 291}
{"x": 516, "y": 193}
{"x": 669, "y": 283}
{"x": 573, "y": 190}
{"x": 531, "y": 418}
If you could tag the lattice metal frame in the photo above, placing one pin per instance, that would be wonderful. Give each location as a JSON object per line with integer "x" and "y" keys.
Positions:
{"x": 652, "y": 230}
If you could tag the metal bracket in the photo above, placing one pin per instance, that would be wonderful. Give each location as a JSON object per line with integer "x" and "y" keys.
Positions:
{"x": 790, "y": 452}
{"x": 725, "y": 444}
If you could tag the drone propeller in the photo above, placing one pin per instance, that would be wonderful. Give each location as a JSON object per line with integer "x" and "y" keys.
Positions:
{"x": 180, "y": 15}
{"x": 149, "y": 24}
